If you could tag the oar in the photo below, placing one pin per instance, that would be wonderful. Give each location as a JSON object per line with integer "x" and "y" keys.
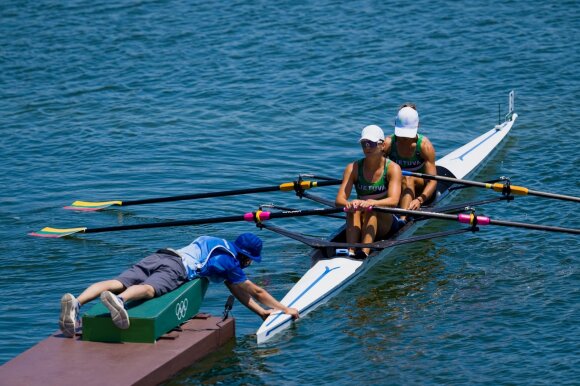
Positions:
{"x": 474, "y": 220}
{"x": 287, "y": 186}
{"x": 498, "y": 187}
{"x": 257, "y": 216}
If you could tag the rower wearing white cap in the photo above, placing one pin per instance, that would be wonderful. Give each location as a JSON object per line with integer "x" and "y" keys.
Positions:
{"x": 377, "y": 182}
{"x": 412, "y": 152}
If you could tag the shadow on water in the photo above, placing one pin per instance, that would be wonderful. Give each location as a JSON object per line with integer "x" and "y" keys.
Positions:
{"x": 396, "y": 292}
{"x": 226, "y": 366}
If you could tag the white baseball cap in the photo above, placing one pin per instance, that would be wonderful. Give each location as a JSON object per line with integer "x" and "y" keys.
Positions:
{"x": 372, "y": 133}
{"x": 407, "y": 123}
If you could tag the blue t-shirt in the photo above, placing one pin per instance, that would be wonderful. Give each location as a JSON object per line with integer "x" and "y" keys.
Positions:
{"x": 223, "y": 266}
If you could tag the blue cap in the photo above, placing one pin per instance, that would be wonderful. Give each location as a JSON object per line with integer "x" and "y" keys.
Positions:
{"x": 250, "y": 245}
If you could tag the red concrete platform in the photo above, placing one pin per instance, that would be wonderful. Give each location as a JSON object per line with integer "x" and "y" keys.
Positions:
{"x": 64, "y": 361}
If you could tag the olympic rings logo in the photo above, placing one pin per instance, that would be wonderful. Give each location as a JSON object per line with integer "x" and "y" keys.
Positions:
{"x": 181, "y": 309}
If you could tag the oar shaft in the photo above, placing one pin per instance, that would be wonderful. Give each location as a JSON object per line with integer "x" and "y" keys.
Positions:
{"x": 257, "y": 216}
{"x": 288, "y": 186}
{"x": 446, "y": 179}
{"x": 214, "y": 220}
{"x": 513, "y": 189}
{"x": 483, "y": 220}
{"x": 534, "y": 226}
{"x": 476, "y": 220}
{"x": 196, "y": 196}
{"x": 294, "y": 213}
{"x": 417, "y": 213}
{"x": 553, "y": 195}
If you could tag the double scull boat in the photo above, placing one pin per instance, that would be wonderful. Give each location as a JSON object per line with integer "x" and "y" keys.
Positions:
{"x": 332, "y": 270}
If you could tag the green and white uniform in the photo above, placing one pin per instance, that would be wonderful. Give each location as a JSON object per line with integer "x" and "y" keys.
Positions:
{"x": 415, "y": 163}
{"x": 366, "y": 190}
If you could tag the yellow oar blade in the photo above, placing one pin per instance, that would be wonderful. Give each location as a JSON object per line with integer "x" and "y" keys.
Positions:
{"x": 88, "y": 206}
{"x": 56, "y": 233}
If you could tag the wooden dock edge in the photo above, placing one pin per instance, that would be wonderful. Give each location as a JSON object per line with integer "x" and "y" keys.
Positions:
{"x": 64, "y": 361}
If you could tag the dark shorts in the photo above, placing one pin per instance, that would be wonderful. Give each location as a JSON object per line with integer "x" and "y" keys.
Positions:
{"x": 163, "y": 272}
{"x": 397, "y": 224}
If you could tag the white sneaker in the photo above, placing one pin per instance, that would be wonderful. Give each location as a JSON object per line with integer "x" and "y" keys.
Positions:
{"x": 69, "y": 315}
{"x": 115, "y": 305}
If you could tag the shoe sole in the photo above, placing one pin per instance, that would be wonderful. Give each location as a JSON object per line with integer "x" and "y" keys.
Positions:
{"x": 118, "y": 313}
{"x": 67, "y": 326}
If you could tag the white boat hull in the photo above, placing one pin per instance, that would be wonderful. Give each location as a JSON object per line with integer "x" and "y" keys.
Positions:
{"x": 468, "y": 158}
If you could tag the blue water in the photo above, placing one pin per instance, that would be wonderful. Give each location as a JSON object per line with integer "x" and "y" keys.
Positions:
{"x": 135, "y": 99}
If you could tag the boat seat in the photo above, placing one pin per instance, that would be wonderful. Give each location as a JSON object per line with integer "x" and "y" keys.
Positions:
{"x": 442, "y": 186}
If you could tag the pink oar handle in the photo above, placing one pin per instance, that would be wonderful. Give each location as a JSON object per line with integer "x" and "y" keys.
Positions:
{"x": 257, "y": 216}
{"x": 468, "y": 218}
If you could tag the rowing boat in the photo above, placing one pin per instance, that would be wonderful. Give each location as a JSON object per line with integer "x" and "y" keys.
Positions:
{"x": 332, "y": 270}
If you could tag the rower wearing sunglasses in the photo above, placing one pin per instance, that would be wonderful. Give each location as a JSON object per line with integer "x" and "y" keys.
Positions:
{"x": 377, "y": 181}
{"x": 412, "y": 152}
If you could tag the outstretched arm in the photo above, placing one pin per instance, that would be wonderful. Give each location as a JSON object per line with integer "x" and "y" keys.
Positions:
{"x": 247, "y": 291}
{"x": 346, "y": 187}
{"x": 247, "y": 300}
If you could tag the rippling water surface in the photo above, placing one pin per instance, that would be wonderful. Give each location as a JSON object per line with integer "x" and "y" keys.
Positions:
{"x": 134, "y": 99}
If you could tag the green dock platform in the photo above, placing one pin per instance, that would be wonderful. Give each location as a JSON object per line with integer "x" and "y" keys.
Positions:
{"x": 149, "y": 319}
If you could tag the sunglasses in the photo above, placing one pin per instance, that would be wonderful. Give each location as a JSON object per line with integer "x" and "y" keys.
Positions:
{"x": 244, "y": 260}
{"x": 369, "y": 144}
